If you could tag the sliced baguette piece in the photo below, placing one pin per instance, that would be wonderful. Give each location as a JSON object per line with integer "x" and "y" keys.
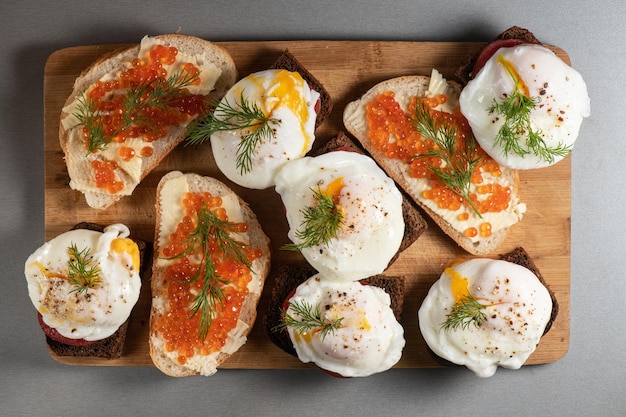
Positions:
{"x": 355, "y": 121}
{"x": 78, "y": 164}
{"x": 167, "y": 217}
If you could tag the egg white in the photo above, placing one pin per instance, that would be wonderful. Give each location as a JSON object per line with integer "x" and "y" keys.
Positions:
{"x": 561, "y": 91}
{"x": 373, "y": 225}
{"x": 370, "y": 340}
{"x": 518, "y": 308}
{"x": 292, "y": 137}
{"x": 97, "y": 313}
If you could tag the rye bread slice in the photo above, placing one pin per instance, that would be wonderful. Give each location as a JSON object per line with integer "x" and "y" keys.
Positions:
{"x": 464, "y": 73}
{"x": 289, "y": 62}
{"x": 288, "y": 277}
{"x": 111, "y": 347}
{"x": 414, "y": 224}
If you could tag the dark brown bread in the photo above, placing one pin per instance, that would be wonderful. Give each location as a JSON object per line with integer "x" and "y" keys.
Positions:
{"x": 521, "y": 257}
{"x": 464, "y": 72}
{"x": 414, "y": 223}
{"x": 288, "y": 277}
{"x": 289, "y": 62}
{"x": 111, "y": 347}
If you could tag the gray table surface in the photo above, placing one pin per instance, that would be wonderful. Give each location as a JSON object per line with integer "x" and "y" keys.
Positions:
{"x": 590, "y": 380}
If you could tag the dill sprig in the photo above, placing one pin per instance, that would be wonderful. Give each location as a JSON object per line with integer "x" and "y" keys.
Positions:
{"x": 468, "y": 311}
{"x": 238, "y": 116}
{"x": 306, "y": 318}
{"x": 460, "y": 162}
{"x": 321, "y": 223}
{"x": 82, "y": 274}
{"x": 211, "y": 228}
{"x": 517, "y": 127}
{"x": 157, "y": 93}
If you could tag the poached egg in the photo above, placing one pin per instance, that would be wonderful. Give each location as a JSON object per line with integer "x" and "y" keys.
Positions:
{"x": 372, "y": 225}
{"x": 285, "y": 98}
{"x": 560, "y": 100}
{"x": 516, "y": 307}
{"x": 98, "y": 312}
{"x": 368, "y": 340}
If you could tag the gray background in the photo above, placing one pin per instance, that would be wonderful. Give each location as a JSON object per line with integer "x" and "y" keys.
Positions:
{"x": 590, "y": 380}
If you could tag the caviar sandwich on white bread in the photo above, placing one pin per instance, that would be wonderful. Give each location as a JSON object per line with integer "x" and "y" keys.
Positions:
{"x": 211, "y": 259}
{"x": 129, "y": 109}
{"x": 413, "y": 128}
{"x": 265, "y": 120}
{"x": 483, "y": 313}
{"x": 346, "y": 328}
{"x": 525, "y": 105}
{"x": 84, "y": 284}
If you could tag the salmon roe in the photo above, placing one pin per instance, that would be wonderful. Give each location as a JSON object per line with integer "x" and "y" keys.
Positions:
{"x": 392, "y": 131}
{"x": 178, "y": 325}
{"x": 117, "y": 115}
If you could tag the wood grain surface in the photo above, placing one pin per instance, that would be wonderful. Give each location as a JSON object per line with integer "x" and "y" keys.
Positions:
{"x": 347, "y": 69}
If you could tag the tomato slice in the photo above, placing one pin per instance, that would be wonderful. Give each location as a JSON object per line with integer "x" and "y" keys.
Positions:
{"x": 489, "y": 50}
{"x": 53, "y": 334}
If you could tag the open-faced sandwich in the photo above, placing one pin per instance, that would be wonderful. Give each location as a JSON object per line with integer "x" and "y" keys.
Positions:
{"x": 265, "y": 120}
{"x": 524, "y": 104}
{"x": 84, "y": 284}
{"x": 484, "y": 313}
{"x": 413, "y": 128}
{"x": 346, "y": 328}
{"x": 129, "y": 109}
{"x": 211, "y": 259}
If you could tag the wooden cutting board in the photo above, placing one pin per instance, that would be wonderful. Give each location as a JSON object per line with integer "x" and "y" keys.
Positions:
{"x": 347, "y": 69}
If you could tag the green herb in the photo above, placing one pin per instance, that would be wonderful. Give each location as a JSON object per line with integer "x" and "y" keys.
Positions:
{"x": 307, "y": 318}
{"x": 242, "y": 115}
{"x": 82, "y": 274}
{"x": 321, "y": 223}
{"x": 460, "y": 162}
{"x": 466, "y": 312}
{"x": 517, "y": 128}
{"x": 210, "y": 229}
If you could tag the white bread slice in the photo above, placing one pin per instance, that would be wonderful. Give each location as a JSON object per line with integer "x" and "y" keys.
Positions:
{"x": 355, "y": 121}
{"x": 78, "y": 166}
{"x": 199, "y": 364}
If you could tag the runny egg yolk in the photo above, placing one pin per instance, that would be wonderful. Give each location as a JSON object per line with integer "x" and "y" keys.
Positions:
{"x": 125, "y": 245}
{"x": 285, "y": 90}
{"x": 520, "y": 85}
{"x": 334, "y": 189}
{"x": 458, "y": 284}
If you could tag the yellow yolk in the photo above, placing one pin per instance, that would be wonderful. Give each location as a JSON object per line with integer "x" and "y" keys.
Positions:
{"x": 287, "y": 89}
{"x": 519, "y": 82}
{"x": 458, "y": 283}
{"x": 121, "y": 245}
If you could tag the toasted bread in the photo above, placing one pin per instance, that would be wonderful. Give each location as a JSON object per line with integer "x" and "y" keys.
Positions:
{"x": 77, "y": 157}
{"x": 167, "y": 217}
{"x": 355, "y": 121}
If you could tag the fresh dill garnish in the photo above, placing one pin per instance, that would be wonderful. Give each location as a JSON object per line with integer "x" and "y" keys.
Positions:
{"x": 241, "y": 115}
{"x": 211, "y": 228}
{"x": 321, "y": 223}
{"x": 307, "y": 317}
{"x": 459, "y": 162}
{"x": 517, "y": 131}
{"x": 466, "y": 312}
{"x": 82, "y": 274}
{"x": 158, "y": 93}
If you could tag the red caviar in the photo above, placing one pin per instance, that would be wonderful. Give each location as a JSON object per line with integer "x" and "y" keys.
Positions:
{"x": 392, "y": 131}
{"x": 178, "y": 326}
{"x": 150, "y": 115}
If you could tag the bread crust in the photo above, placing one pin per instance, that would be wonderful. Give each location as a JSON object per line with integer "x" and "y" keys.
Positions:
{"x": 260, "y": 270}
{"x": 354, "y": 119}
{"x": 117, "y": 61}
